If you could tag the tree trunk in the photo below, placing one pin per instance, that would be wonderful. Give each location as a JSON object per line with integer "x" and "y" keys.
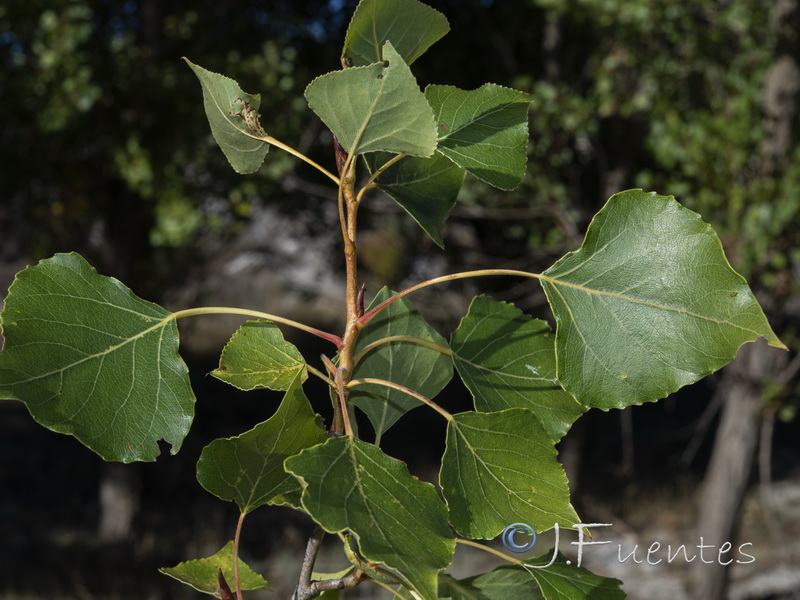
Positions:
{"x": 731, "y": 463}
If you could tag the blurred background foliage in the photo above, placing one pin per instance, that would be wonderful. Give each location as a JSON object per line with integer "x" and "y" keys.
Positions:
{"x": 105, "y": 149}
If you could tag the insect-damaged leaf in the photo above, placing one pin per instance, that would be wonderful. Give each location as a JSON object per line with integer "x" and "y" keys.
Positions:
{"x": 648, "y": 304}
{"x": 378, "y": 107}
{"x": 234, "y": 119}
{"x": 91, "y": 359}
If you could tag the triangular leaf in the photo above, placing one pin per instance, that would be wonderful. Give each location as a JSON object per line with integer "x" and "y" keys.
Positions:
{"x": 257, "y": 356}
{"x": 397, "y": 519}
{"x": 565, "y": 581}
{"x": 201, "y": 574}
{"x": 648, "y": 304}
{"x": 507, "y": 360}
{"x": 420, "y": 368}
{"x": 425, "y": 187}
{"x": 91, "y": 359}
{"x": 411, "y": 27}
{"x": 248, "y": 469}
{"x": 483, "y": 130}
{"x": 234, "y": 119}
{"x": 500, "y": 468}
{"x": 375, "y": 108}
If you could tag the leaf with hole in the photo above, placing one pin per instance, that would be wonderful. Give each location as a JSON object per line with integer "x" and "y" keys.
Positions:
{"x": 485, "y": 131}
{"x": 411, "y": 27}
{"x": 507, "y": 360}
{"x": 257, "y": 356}
{"x": 500, "y": 468}
{"x": 398, "y": 520}
{"x": 648, "y": 304}
{"x": 202, "y": 573}
{"x": 378, "y": 107}
{"x": 234, "y": 119}
{"x": 91, "y": 359}
{"x": 413, "y": 365}
{"x": 248, "y": 469}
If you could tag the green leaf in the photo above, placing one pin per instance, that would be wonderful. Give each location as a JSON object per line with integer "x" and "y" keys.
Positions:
{"x": 248, "y": 469}
{"x": 648, "y": 304}
{"x": 426, "y": 188}
{"x": 563, "y": 581}
{"x": 411, "y": 27}
{"x": 234, "y": 119}
{"x": 420, "y": 368}
{"x": 500, "y": 468}
{"x": 202, "y": 574}
{"x": 257, "y": 356}
{"x": 507, "y": 360}
{"x": 397, "y": 519}
{"x": 91, "y": 359}
{"x": 503, "y": 583}
{"x": 375, "y": 108}
{"x": 484, "y": 131}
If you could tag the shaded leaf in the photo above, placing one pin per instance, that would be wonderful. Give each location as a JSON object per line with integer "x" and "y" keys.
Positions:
{"x": 503, "y": 583}
{"x": 397, "y": 519}
{"x": 375, "y": 108}
{"x": 426, "y": 188}
{"x": 507, "y": 360}
{"x": 202, "y": 574}
{"x": 648, "y": 304}
{"x": 234, "y": 119}
{"x": 417, "y": 367}
{"x": 257, "y": 356}
{"x": 484, "y": 131}
{"x": 411, "y": 27}
{"x": 91, "y": 359}
{"x": 500, "y": 468}
{"x": 562, "y": 581}
{"x": 248, "y": 469}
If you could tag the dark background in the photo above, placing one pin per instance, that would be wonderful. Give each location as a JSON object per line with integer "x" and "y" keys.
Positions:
{"x": 105, "y": 150}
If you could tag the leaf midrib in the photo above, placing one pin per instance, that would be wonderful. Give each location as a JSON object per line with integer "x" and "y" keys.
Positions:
{"x": 107, "y": 351}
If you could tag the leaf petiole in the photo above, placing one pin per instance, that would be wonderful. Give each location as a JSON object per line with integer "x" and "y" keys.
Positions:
{"x": 443, "y": 279}
{"x": 405, "y": 390}
{"x": 489, "y": 550}
{"x": 371, "y": 181}
{"x": 278, "y": 144}
{"x": 400, "y": 338}
{"x": 236, "y": 539}
{"x": 226, "y": 310}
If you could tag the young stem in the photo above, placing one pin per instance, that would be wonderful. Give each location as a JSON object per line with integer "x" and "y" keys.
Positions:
{"x": 225, "y": 310}
{"x": 445, "y": 278}
{"x": 405, "y": 390}
{"x": 348, "y": 215}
